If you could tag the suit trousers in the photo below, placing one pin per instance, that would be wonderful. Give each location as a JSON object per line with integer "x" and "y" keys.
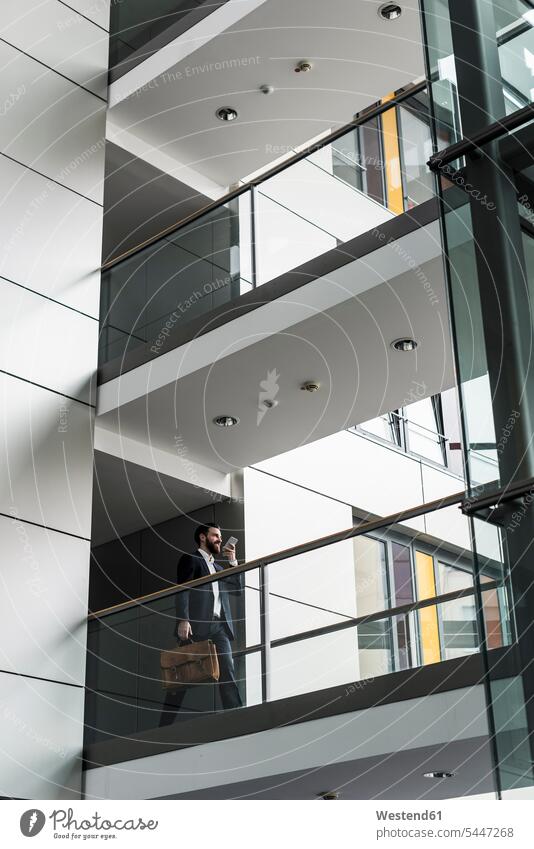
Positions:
{"x": 228, "y": 690}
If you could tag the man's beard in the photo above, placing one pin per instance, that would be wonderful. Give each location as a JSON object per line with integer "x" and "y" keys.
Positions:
{"x": 212, "y": 547}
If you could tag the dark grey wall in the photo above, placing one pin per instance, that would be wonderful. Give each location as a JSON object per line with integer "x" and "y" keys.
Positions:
{"x": 140, "y": 201}
{"x": 146, "y": 561}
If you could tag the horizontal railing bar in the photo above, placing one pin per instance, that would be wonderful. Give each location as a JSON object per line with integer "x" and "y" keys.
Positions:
{"x": 490, "y": 133}
{"x": 303, "y": 548}
{"x": 362, "y": 118}
{"x": 468, "y": 505}
{"x": 354, "y": 622}
{"x": 501, "y": 496}
{"x": 383, "y": 615}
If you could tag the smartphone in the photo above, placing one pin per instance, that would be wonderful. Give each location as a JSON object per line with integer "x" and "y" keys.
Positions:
{"x": 230, "y": 541}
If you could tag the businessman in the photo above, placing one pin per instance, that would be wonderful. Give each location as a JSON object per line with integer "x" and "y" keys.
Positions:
{"x": 203, "y": 613}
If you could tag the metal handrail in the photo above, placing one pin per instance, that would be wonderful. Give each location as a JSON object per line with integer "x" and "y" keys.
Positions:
{"x": 361, "y": 118}
{"x": 492, "y": 132}
{"x": 303, "y": 548}
{"x": 469, "y": 506}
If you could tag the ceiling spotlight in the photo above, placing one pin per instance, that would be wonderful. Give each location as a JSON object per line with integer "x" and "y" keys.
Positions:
{"x": 404, "y": 345}
{"x": 390, "y": 11}
{"x": 225, "y": 421}
{"x": 226, "y": 113}
{"x": 310, "y": 386}
{"x": 269, "y": 403}
{"x": 330, "y": 794}
{"x": 303, "y": 67}
{"x": 266, "y": 89}
{"x": 439, "y": 774}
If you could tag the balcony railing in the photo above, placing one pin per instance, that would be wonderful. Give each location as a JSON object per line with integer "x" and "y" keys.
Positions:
{"x": 365, "y": 602}
{"x": 324, "y": 196}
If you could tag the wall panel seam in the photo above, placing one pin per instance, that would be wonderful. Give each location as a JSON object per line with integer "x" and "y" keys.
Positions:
{"x": 48, "y": 298}
{"x": 15, "y": 518}
{"x": 83, "y": 16}
{"x": 51, "y": 179}
{"x": 38, "y": 678}
{"x": 47, "y": 388}
{"x": 54, "y": 70}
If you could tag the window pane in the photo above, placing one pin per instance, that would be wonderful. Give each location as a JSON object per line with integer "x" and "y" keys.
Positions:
{"x": 380, "y": 427}
{"x": 423, "y": 434}
{"x": 402, "y": 574}
{"x": 371, "y": 578}
{"x": 428, "y": 617}
{"x": 450, "y": 578}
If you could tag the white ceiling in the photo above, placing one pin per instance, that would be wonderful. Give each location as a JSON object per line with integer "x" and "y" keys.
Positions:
{"x": 395, "y": 775}
{"x": 346, "y": 347}
{"x": 357, "y": 58}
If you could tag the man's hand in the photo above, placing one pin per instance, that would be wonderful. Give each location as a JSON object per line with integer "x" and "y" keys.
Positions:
{"x": 229, "y": 553}
{"x": 184, "y": 630}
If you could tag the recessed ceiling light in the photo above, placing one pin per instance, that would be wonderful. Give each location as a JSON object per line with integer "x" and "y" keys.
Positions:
{"x": 390, "y": 11}
{"x": 330, "y": 794}
{"x": 225, "y": 421}
{"x": 310, "y": 386}
{"x": 303, "y": 67}
{"x": 404, "y": 345}
{"x": 226, "y": 113}
{"x": 438, "y": 774}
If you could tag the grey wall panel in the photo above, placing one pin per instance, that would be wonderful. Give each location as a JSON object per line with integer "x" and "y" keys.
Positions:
{"x": 60, "y": 38}
{"x": 47, "y": 343}
{"x": 43, "y": 602}
{"x": 51, "y": 238}
{"x": 95, "y": 10}
{"x": 46, "y": 457}
{"x": 52, "y": 124}
{"x": 40, "y": 738}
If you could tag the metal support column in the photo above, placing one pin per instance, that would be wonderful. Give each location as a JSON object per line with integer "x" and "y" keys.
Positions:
{"x": 504, "y": 298}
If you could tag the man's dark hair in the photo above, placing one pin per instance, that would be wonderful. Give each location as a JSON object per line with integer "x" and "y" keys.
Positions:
{"x": 203, "y": 529}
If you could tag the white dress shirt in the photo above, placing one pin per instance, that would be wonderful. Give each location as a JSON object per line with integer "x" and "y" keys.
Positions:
{"x": 215, "y": 586}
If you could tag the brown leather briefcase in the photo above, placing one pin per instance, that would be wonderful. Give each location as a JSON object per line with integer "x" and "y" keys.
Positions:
{"x": 188, "y": 664}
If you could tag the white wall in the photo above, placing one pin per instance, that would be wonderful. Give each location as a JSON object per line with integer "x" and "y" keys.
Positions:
{"x": 52, "y": 129}
{"x": 376, "y": 479}
{"x": 304, "y": 211}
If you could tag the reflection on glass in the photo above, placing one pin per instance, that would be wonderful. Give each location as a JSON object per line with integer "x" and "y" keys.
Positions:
{"x": 314, "y": 664}
{"x": 303, "y": 594}
{"x": 375, "y": 649}
{"x": 459, "y": 628}
{"x": 416, "y": 148}
{"x": 171, "y": 282}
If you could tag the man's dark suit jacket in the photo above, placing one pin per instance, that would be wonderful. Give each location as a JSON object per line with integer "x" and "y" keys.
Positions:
{"x": 196, "y": 605}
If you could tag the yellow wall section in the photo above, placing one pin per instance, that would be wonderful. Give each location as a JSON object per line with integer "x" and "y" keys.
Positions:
{"x": 392, "y": 158}
{"x": 428, "y": 616}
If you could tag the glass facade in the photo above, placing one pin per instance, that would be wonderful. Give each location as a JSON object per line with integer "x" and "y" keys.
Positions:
{"x": 482, "y": 51}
